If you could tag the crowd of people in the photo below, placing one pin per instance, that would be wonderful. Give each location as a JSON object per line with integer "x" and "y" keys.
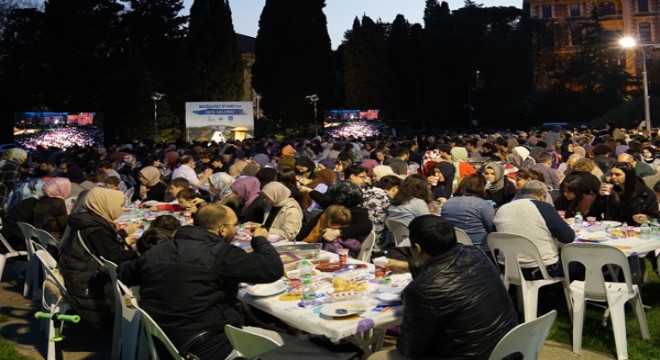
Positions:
{"x": 358, "y": 129}
{"x": 63, "y": 138}
{"x": 334, "y": 191}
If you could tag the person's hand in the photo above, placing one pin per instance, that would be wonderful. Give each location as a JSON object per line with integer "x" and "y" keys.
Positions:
{"x": 397, "y": 266}
{"x": 260, "y": 232}
{"x": 331, "y": 234}
{"x": 131, "y": 240}
{"x": 131, "y": 228}
{"x": 208, "y": 172}
{"x": 304, "y": 181}
{"x": 442, "y": 200}
{"x": 254, "y": 225}
{"x": 305, "y": 189}
{"x": 603, "y": 190}
{"x": 639, "y": 218}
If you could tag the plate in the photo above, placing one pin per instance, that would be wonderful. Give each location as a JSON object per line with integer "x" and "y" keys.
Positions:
{"x": 611, "y": 223}
{"x": 267, "y": 289}
{"x": 332, "y": 267}
{"x": 343, "y": 309}
{"x": 592, "y": 238}
{"x": 389, "y": 296}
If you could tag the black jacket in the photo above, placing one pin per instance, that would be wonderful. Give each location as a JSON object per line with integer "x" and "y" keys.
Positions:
{"x": 643, "y": 201}
{"x": 189, "y": 285}
{"x": 90, "y": 292}
{"x": 456, "y": 308}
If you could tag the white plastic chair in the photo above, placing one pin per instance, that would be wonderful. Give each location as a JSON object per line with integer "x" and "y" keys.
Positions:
{"x": 32, "y": 268}
{"x": 397, "y": 229}
{"x": 126, "y": 328}
{"x": 11, "y": 252}
{"x": 249, "y": 344}
{"x": 594, "y": 288}
{"x": 70, "y": 202}
{"x": 367, "y": 247}
{"x": 462, "y": 237}
{"x": 527, "y": 338}
{"x": 45, "y": 238}
{"x": 405, "y": 242}
{"x": 128, "y": 196}
{"x": 511, "y": 246}
{"x": 52, "y": 301}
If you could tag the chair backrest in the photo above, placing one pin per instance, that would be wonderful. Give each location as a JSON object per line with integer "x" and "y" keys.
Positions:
{"x": 462, "y": 237}
{"x": 29, "y": 232}
{"x": 594, "y": 257}
{"x": 512, "y": 246}
{"x": 249, "y": 344}
{"x": 526, "y": 338}
{"x": 70, "y": 202}
{"x": 52, "y": 275}
{"x": 397, "y": 228}
{"x": 367, "y": 247}
{"x": 151, "y": 331}
{"x": 45, "y": 238}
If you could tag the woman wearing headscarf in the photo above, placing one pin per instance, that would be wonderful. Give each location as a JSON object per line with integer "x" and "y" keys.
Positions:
{"x": 444, "y": 173}
{"x": 288, "y": 158}
{"x": 369, "y": 164}
{"x": 381, "y": 171}
{"x": 284, "y": 219}
{"x": 247, "y": 190}
{"x": 151, "y": 188}
{"x": 321, "y": 181}
{"x": 524, "y": 153}
{"x": 49, "y": 212}
{"x": 498, "y": 188}
{"x": 261, "y": 159}
{"x": 250, "y": 170}
{"x": 459, "y": 157}
{"x": 10, "y": 172}
{"x": 347, "y": 194}
{"x": 93, "y": 234}
{"x": 305, "y": 167}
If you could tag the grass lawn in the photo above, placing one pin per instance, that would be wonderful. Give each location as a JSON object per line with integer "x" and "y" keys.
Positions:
{"x": 7, "y": 349}
{"x": 599, "y": 338}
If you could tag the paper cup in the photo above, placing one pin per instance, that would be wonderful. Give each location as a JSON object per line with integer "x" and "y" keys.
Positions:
{"x": 343, "y": 256}
{"x": 609, "y": 189}
{"x": 591, "y": 220}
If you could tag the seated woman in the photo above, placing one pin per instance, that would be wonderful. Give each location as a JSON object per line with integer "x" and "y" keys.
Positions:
{"x": 151, "y": 187}
{"x": 93, "y": 235}
{"x": 247, "y": 190}
{"x": 575, "y": 196}
{"x": 321, "y": 181}
{"x": 498, "y": 188}
{"x": 412, "y": 200}
{"x": 49, "y": 213}
{"x": 334, "y": 217}
{"x": 441, "y": 180}
{"x": 469, "y": 211}
{"x": 347, "y": 194}
{"x": 630, "y": 200}
{"x": 285, "y": 217}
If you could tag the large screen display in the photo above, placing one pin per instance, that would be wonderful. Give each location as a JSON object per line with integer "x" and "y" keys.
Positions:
{"x": 58, "y": 129}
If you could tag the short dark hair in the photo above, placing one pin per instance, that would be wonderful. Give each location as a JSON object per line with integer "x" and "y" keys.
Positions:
{"x": 387, "y": 182}
{"x": 112, "y": 180}
{"x": 105, "y": 165}
{"x": 185, "y": 159}
{"x": 151, "y": 237}
{"x": 543, "y": 157}
{"x": 354, "y": 170}
{"x": 180, "y": 182}
{"x": 434, "y": 234}
{"x": 167, "y": 222}
{"x": 186, "y": 194}
{"x": 212, "y": 216}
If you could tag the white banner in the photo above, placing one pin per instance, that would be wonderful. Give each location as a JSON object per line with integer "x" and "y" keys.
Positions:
{"x": 204, "y": 119}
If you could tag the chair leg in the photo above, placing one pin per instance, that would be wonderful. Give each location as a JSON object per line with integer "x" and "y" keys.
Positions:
{"x": 618, "y": 315}
{"x": 638, "y": 307}
{"x": 3, "y": 260}
{"x": 579, "y": 305}
{"x": 28, "y": 278}
{"x": 530, "y": 302}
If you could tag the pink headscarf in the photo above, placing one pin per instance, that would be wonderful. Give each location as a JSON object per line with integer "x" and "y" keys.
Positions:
{"x": 370, "y": 164}
{"x": 247, "y": 189}
{"x": 58, "y": 187}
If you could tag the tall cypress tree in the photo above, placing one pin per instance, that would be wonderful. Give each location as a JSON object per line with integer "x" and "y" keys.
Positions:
{"x": 405, "y": 102}
{"x": 293, "y": 60}
{"x": 215, "y": 63}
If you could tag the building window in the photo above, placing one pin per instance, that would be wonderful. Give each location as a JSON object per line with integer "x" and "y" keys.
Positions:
{"x": 546, "y": 11}
{"x": 643, "y": 6}
{"x": 606, "y": 8}
{"x": 575, "y": 10}
{"x": 576, "y": 36}
{"x": 645, "y": 32}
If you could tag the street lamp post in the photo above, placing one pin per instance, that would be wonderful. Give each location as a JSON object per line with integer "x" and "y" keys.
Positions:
{"x": 156, "y": 97}
{"x": 313, "y": 99}
{"x": 630, "y": 43}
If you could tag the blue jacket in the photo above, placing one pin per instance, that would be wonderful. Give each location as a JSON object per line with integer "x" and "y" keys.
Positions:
{"x": 472, "y": 214}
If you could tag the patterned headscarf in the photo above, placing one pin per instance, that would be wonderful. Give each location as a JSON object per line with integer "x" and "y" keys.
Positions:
{"x": 16, "y": 155}
{"x": 58, "y": 187}
{"x": 346, "y": 193}
{"x": 106, "y": 203}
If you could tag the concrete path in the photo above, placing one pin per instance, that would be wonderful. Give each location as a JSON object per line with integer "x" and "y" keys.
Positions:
{"x": 86, "y": 342}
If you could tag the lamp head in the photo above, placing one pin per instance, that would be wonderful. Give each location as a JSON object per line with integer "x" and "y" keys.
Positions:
{"x": 155, "y": 96}
{"x": 628, "y": 42}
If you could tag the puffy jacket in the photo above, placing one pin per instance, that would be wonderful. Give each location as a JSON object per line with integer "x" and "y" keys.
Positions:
{"x": 456, "y": 308}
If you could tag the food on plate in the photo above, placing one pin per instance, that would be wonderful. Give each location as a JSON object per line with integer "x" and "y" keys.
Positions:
{"x": 341, "y": 285}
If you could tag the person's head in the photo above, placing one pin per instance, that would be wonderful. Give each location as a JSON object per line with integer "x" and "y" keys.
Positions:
{"x": 105, "y": 167}
{"x": 57, "y": 187}
{"x": 304, "y": 165}
{"x": 525, "y": 175}
{"x": 584, "y": 165}
{"x": 536, "y": 189}
{"x": 338, "y": 216}
{"x": 151, "y": 237}
{"x": 218, "y": 219}
{"x": 177, "y": 185}
{"x": 574, "y": 188}
{"x": 414, "y": 186}
{"x": 106, "y": 203}
{"x": 390, "y": 184}
{"x": 493, "y": 172}
{"x": 64, "y": 168}
{"x": 623, "y": 175}
{"x": 357, "y": 175}
{"x": 544, "y": 158}
{"x": 217, "y": 162}
{"x": 185, "y": 196}
{"x": 648, "y": 152}
{"x": 626, "y": 158}
{"x": 188, "y": 161}
{"x": 47, "y": 167}
{"x": 430, "y": 236}
{"x": 167, "y": 222}
{"x": 267, "y": 175}
{"x": 403, "y": 153}
{"x": 346, "y": 193}
{"x": 445, "y": 151}
{"x": 381, "y": 154}
{"x": 112, "y": 182}
{"x": 275, "y": 194}
{"x": 472, "y": 185}
{"x": 149, "y": 176}
{"x": 573, "y": 159}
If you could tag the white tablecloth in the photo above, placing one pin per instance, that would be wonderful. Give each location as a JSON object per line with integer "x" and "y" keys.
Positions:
{"x": 629, "y": 245}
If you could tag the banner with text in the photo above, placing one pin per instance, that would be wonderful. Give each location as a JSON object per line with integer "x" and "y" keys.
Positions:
{"x": 206, "y": 121}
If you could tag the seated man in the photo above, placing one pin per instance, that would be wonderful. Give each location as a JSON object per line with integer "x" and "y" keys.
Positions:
{"x": 457, "y": 306}
{"x": 189, "y": 284}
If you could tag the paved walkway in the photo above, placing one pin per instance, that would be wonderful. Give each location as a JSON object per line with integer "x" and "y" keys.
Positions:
{"x": 86, "y": 342}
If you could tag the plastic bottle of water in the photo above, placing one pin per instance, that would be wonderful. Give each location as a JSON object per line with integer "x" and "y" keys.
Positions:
{"x": 655, "y": 229}
{"x": 308, "y": 294}
{"x": 578, "y": 221}
{"x": 645, "y": 230}
{"x": 305, "y": 271}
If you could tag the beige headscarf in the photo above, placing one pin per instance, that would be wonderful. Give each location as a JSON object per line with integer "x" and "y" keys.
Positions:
{"x": 152, "y": 175}
{"x": 107, "y": 203}
{"x": 277, "y": 192}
